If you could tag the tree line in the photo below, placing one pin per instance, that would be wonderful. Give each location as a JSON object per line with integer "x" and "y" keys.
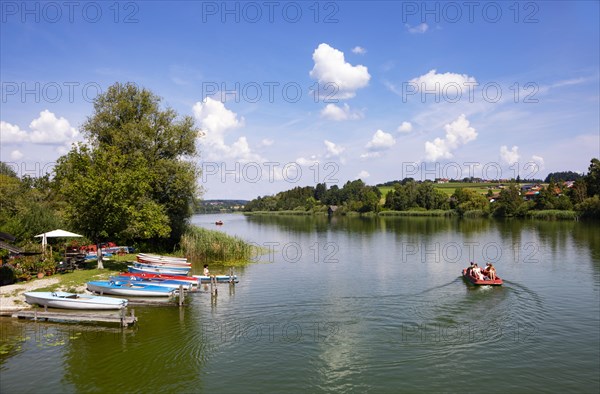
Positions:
{"x": 582, "y": 197}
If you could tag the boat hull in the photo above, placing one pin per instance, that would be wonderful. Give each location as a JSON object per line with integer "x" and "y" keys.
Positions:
{"x": 65, "y": 300}
{"x": 182, "y": 278}
{"x": 219, "y": 278}
{"x": 172, "y": 284}
{"x": 128, "y": 289}
{"x": 155, "y": 270}
{"x": 496, "y": 282}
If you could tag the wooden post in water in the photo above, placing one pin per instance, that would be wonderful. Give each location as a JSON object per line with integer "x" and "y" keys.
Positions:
{"x": 213, "y": 285}
{"x": 123, "y": 322}
{"x": 180, "y": 295}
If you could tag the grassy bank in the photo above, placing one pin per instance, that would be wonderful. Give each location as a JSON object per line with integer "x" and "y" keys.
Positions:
{"x": 433, "y": 212}
{"x": 208, "y": 246}
{"x": 553, "y": 214}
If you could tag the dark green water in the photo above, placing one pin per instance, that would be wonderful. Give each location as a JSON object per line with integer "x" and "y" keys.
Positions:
{"x": 349, "y": 305}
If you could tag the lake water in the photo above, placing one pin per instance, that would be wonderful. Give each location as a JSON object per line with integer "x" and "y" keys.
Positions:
{"x": 349, "y": 305}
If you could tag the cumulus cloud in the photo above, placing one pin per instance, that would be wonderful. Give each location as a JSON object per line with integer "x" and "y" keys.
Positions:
{"x": 333, "y": 149}
{"x": 509, "y": 156}
{"x": 46, "y": 129}
{"x": 334, "y": 112}
{"x": 458, "y": 133}
{"x": 370, "y": 155}
{"x": 307, "y": 162}
{"x": 359, "y": 50}
{"x": 16, "y": 155}
{"x": 447, "y": 83}
{"x": 363, "y": 175}
{"x": 331, "y": 68}
{"x": 381, "y": 141}
{"x": 405, "y": 127}
{"x": 267, "y": 142}
{"x": 539, "y": 161}
{"x": 215, "y": 121}
{"x": 418, "y": 29}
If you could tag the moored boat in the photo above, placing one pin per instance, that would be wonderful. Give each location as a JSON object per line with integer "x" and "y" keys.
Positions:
{"x": 478, "y": 282}
{"x": 219, "y": 278}
{"x": 128, "y": 289}
{"x": 147, "y": 275}
{"x": 173, "y": 284}
{"x": 159, "y": 269}
{"x": 64, "y": 300}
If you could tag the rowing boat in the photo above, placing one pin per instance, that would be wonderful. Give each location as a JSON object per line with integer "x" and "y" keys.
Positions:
{"x": 61, "y": 299}
{"x": 128, "y": 289}
{"x": 479, "y": 282}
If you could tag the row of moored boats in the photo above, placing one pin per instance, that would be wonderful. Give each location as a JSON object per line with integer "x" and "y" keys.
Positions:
{"x": 150, "y": 276}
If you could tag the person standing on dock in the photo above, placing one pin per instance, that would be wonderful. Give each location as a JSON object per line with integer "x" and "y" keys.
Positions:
{"x": 206, "y": 271}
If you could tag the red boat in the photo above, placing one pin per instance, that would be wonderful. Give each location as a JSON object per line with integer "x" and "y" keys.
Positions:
{"x": 219, "y": 222}
{"x": 145, "y": 275}
{"x": 479, "y": 282}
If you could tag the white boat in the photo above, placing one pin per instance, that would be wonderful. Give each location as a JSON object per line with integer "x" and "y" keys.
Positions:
{"x": 60, "y": 299}
{"x": 128, "y": 289}
{"x": 155, "y": 258}
{"x": 219, "y": 278}
{"x": 156, "y": 270}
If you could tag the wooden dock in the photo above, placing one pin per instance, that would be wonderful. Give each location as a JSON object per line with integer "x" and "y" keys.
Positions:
{"x": 122, "y": 319}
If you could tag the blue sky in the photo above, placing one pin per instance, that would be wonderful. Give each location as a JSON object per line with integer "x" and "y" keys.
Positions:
{"x": 292, "y": 93}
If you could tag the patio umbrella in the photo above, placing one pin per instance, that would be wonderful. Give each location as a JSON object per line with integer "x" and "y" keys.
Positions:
{"x": 55, "y": 234}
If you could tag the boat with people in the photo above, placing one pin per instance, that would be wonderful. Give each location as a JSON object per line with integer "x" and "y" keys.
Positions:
{"x": 480, "y": 280}
{"x": 219, "y": 222}
{"x": 127, "y": 288}
{"x": 64, "y": 300}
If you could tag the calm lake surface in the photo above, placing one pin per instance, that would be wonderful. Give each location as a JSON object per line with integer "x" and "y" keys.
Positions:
{"x": 349, "y": 305}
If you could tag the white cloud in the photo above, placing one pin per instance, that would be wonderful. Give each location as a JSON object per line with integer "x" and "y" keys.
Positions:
{"x": 215, "y": 121}
{"x": 333, "y": 149}
{"x": 363, "y": 175}
{"x": 16, "y": 155}
{"x": 458, "y": 133}
{"x": 509, "y": 156}
{"x": 450, "y": 84}
{"x": 46, "y": 129}
{"x": 359, "y": 50}
{"x": 539, "y": 161}
{"x": 307, "y": 162}
{"x": 418, "y": 29}
{"x": 380, "y": 141}
{"x": 267, "y": 142}
{"x": 333, "y": 112}
{"x": 405, "y": 127}
{"x": 370, "y": 155}
{"x": 12, "y": 133}
{"x": 331, "y": 67}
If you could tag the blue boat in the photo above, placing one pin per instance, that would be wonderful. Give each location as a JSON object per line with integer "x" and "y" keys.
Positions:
{"x": 171, "y": 283}
{"x": 127, "y": 288}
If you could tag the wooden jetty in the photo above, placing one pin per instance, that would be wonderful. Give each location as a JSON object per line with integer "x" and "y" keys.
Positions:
{"x": 123, "y": 319}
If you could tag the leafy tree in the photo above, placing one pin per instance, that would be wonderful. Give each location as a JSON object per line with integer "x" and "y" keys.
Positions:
{"x": 592, "y": 179}
{"x": 578, "y": 192}
{"x": 130, "y": 181}
{"x": 509, "y": 201}
{"x": 320, "y": 191}
{"x": 562, "y": 176}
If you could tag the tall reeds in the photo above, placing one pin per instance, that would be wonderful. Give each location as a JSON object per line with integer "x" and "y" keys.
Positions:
{"x": 206, "y": 246}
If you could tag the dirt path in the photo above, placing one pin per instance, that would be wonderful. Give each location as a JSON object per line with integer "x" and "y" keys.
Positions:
{"x": 12, "y": 298}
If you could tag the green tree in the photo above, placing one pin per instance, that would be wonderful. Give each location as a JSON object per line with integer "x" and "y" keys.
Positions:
{"x": 592, "y": 179}
{"x": 130, "y": 181}
{"x": 509, "y": 201}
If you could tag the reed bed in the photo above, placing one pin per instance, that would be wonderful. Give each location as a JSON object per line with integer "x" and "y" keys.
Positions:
{"x": 553, "y": 214}
{"x": 208, "y": 246}
{"x": 432, "y": 212}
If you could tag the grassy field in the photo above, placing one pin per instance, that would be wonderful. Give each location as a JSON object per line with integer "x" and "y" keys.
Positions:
{"x": 449, "y": 188}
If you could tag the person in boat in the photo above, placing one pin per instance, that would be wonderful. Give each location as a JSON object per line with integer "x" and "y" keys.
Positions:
{"x": 476, "y": 272}
{"x": 470, "y": 268}
{"x": 491, "y": 271}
